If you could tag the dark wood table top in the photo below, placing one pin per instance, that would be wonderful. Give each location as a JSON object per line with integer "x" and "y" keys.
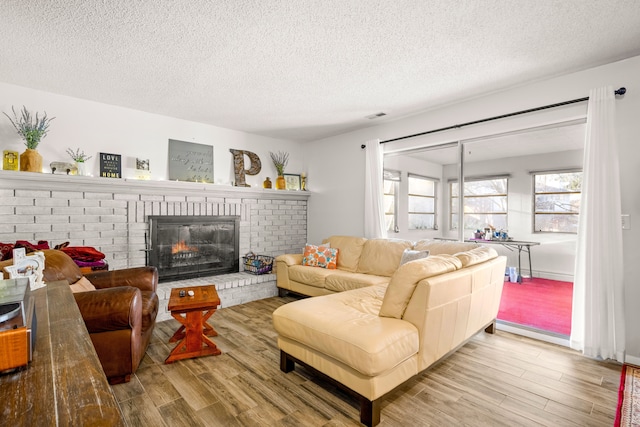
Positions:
{"x": 64, "y": 384}
{"x": 204, "y": 298}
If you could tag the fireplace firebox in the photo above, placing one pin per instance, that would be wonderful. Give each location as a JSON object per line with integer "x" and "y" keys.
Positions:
{"x": 182, "y": 247}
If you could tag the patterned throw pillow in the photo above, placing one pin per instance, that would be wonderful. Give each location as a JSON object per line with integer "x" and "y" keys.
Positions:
{"x": 320, "y": 256}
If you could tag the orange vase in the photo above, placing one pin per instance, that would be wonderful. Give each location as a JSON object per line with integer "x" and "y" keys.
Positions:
{"x": 31, "y": 161}
{"x": 281, "y": 184}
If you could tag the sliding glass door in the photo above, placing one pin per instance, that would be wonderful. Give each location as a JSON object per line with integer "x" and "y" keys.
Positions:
{"x": 523, "y": 185}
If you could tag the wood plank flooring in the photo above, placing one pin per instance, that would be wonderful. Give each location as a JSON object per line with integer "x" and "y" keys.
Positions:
{"x": 494, "y": 380}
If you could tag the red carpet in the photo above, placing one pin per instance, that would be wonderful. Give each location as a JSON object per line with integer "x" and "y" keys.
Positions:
{"x": 539, "y": 303}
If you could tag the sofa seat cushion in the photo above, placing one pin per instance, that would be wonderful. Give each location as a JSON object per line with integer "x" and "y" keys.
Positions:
{"x": 405, "y": 279}
{"x": 312, "y": 276}
{"x": 342, "y": 281}
{"x": 346, "y": 327}
{"x": 382, "y": 257}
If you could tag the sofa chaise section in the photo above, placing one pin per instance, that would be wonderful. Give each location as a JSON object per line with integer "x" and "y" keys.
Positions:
{"x": 372, "y": 339}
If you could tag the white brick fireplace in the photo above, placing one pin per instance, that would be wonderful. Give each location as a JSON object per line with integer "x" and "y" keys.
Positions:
{"x": 111, "y": 215}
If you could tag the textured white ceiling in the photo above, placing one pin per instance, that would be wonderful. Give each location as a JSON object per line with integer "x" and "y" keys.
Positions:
{"x": 303, "y": 69}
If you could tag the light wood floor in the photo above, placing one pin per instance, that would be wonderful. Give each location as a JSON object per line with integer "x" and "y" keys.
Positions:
{"x": 494, "y": 380}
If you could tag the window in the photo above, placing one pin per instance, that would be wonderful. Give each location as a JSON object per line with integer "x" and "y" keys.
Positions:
{"x": 422, "y": 203}
{"x": 485, "y": 203}
{"x": 557, "y": 201}
{"x": 391, "y": 182}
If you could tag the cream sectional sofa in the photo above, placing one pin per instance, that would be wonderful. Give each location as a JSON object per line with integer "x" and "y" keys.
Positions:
{"x": 377, "y": 335}
{"x": 361, "y": 262}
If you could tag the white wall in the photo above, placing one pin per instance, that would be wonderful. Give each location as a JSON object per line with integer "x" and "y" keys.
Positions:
{"x": 336, "y": 165}
{"x": 94, "y": 127}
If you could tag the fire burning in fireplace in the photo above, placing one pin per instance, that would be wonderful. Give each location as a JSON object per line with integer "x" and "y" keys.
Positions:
{"x": 181, "y": 246}
{"x": 186, "y": 246}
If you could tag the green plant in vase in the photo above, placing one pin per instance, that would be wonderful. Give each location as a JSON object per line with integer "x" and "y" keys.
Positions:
{"x": 280, "y": 160}
{"x": 79, "y": 157}
{"x": 31, "y": 129}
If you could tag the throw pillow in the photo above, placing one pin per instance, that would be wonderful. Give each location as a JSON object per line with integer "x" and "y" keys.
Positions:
{"x": 320, "y": 256}
{"x": 411, "y": 255}
{"x": 82, "y": 285}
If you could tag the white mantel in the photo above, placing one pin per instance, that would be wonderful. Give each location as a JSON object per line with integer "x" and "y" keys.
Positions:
{"x": 111, "y": 214}
{"x": 39, "y": 181}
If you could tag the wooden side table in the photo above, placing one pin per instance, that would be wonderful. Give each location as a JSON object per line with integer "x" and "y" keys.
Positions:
{"x": 193, "y": 312}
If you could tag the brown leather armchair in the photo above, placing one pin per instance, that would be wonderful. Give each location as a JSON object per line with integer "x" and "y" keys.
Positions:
{"x": 120, "y": 314}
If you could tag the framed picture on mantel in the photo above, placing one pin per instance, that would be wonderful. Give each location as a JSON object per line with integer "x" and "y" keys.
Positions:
{"x": 110, "y": 165}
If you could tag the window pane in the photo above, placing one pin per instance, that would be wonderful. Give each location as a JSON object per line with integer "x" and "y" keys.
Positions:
{"x": 558, "y": 182}
{"x": 423, "y": 187}
{"x": 479, "y": 221}
{"x": 485, "y": 187}
{"x": 421, "y": 204}
{"x": 454, "y": 189}
{"x": 389, "y": 187}
{"x": 569, "y": 202}
{"x": 485, "y": 204}
{"x": 389, "y": 204}
{"x": 557, "y": 223}
{"x": 390, "y": 223}
{"x": 421, "y": 221}
{"x": 557, "y": 201}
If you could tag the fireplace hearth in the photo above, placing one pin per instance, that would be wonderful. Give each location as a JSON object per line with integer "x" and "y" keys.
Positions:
{"x": 182, "y": 247}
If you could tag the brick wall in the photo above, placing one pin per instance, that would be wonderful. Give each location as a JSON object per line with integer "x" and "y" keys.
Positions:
{"x": 111, "y": 215}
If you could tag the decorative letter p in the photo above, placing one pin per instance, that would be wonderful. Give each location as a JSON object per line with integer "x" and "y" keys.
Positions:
{"x": 238, "y": 166}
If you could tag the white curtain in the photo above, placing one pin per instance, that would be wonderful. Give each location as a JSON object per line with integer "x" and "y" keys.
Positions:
{"x": 374, "y": 224}
{"x": 598, "y": 328}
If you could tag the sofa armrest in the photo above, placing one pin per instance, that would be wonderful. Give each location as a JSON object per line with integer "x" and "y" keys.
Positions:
{"x": 143, "y": 278}
{"x": 110, "y": 309}
{"x": 290, "y": 259}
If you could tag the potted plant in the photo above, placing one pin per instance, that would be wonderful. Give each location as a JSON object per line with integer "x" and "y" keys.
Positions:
{"x": 79, "y": 157}
{"x": 280, "y": 160}
{"x": 32, "y": 129}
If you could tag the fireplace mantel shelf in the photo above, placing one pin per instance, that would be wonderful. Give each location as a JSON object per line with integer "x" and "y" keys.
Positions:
{"x": 60, "y": 182}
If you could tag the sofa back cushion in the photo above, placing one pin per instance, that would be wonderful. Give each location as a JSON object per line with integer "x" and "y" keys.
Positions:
{"x": 437, "y": 247}
{"x": 349, "y": 251}
{"x": 381, "y": 257}
{"x": 476, "y": 255}
{"x": 404, "y": 281}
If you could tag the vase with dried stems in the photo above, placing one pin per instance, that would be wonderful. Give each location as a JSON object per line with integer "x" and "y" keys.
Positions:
{"x": 280, "y": 160}
{"x": 79, "y": 157}
{"x": 31, "y": 129}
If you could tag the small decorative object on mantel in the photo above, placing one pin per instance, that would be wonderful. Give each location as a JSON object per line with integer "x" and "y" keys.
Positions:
{"x": 190, "y": 162}
{"x": 10, "y": 160}
{"x": 32, "y": 130}
{"x": 238, "y": 166}
{"x": 303, "y": 181}
{"x": 292, "y": 181}
{"x": 79, "y": 157}
{"x": 280, "y": 160}
{"x": 267, "y": 183}
{"x": 110, "y": 165}
{"x": 63, "y": 167}
{"x": 142, "y": 169}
